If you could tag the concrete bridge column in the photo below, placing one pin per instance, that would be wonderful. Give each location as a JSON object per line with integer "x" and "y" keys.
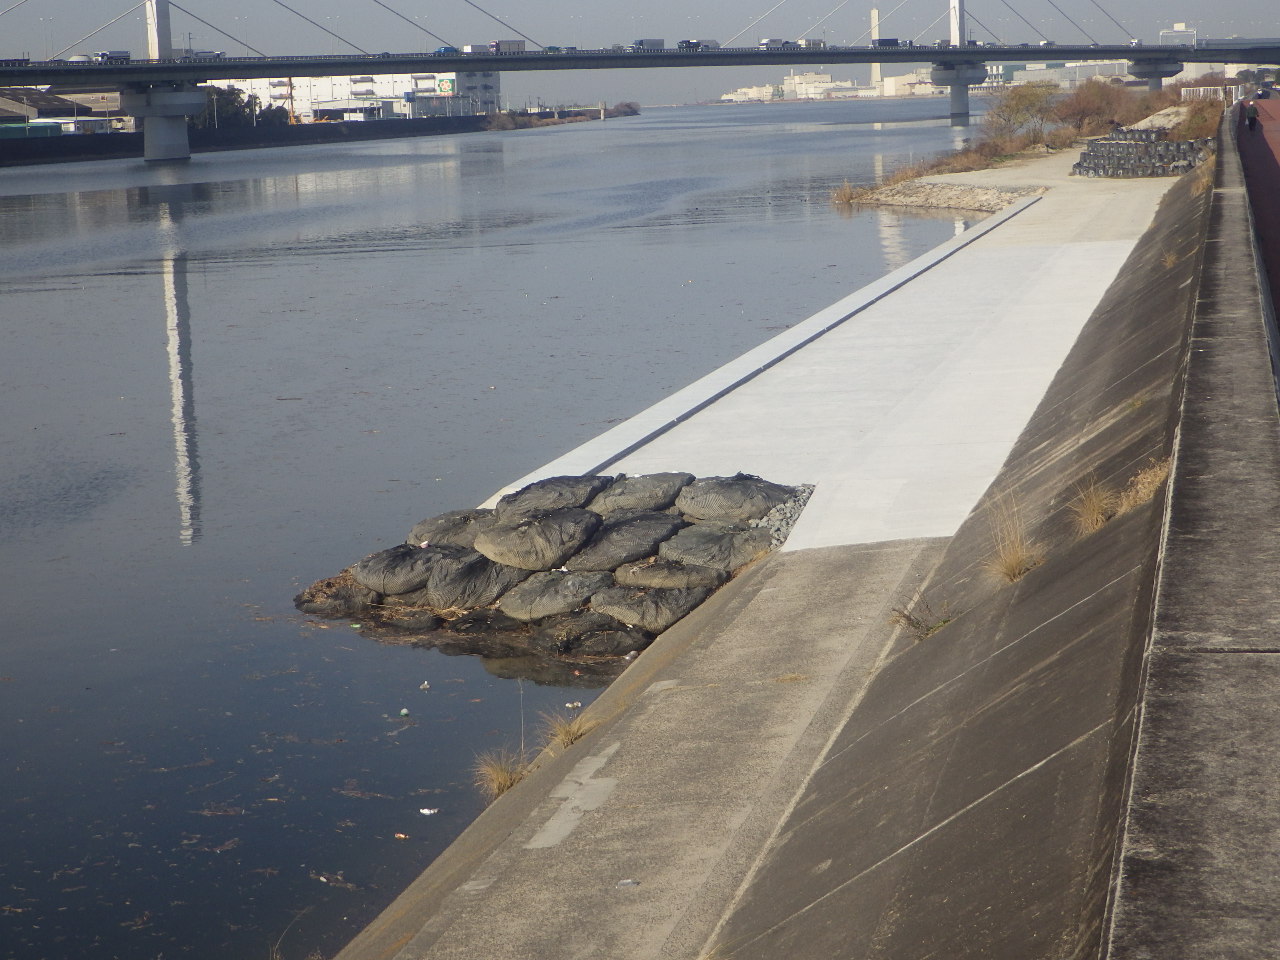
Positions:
{"x": 1154, "y": 71}
{"x": 164, "y": 109}
{"x": 959, "y": 77}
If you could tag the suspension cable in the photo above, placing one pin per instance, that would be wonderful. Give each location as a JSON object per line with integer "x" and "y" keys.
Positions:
{"x": 815, "y": 26}
{"x": 99, "y": 30}
{"x": 945, "y": 13}
{"x": 749, "y": 25}
{"x": 1070, "y": 21}
{"x": 507, "y": 25}
{"x": 968, "y": 15}
{"x": 901, "y": 3}
{"x": 325, "y": 29}
{"x": 18, "y": 4}
{"x": 413, "y": 23}
{"x": 1034, "y": 28}
{"x": 216, "y": 30}
{"x": 1126, "y": 30}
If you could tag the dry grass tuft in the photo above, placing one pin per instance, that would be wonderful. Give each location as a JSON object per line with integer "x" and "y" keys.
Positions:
{"x": 497, "y": 771}
{"x": 1014, "y": 553}
{"x": 847, "y": 193}
{"x": 564, "y": 730}
{"x": 1094, "y": 504}
{"x": 918, "y": 618}
{"x": 1169, "y": 260}
{"x": 1202, "y": 177}
{"x": 1143, "y": 485}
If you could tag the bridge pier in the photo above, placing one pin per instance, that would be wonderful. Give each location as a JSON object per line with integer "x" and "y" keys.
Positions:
{"x": 1154, "y": 71}
{"x": 959, "y": 77}
{"x": 164, "y": 109}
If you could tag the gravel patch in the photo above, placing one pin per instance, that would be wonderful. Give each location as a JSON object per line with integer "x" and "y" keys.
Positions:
{"x": 926, "y": 193}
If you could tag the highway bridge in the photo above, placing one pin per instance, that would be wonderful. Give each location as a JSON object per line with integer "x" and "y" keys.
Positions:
{"x": 162, "y": 88}
{"x": 200, "y": 70}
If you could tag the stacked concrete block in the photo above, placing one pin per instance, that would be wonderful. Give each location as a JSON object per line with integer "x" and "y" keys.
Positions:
{"x": 1141, "y": 153}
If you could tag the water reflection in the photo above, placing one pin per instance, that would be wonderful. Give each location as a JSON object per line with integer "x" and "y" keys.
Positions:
{"x": 182, "y": 411}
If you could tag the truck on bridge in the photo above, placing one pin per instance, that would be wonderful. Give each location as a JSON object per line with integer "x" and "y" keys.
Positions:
{"x": 647, "y": 46}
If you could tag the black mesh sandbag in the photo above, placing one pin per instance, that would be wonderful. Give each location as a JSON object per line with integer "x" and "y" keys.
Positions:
{"x": 339, "y": 596}
{"x": 651, "y": 491}
{"x": 731, "y": 499}
{"x": 539, "y": 543}
{"x": 657, "y": 572}
{"x": 398, "y": 569}
{"x": 610, "y": 642}
{"x": 602, "y": 634}
{"x": 408, "y": 619}
{"x": 551, "y": 593}
{"x": 553, "y": 493}
{"x": 716, "y": 545}
{"x": 458, "y": 527}
{"x": 485, "y": 621}
{"x": 653, "y": 610}
{"x": 625, "y": 537}
{"x": 459, "y": 578}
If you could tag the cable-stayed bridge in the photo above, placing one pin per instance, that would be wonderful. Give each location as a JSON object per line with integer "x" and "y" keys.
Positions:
{"x": 162, "y": 89}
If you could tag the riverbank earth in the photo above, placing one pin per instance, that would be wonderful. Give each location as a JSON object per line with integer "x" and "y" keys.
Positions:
{"x": 959, "y": 192}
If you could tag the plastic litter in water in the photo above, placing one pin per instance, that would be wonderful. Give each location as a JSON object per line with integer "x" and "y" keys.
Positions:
{"x": 573, "y": 705}
{"x": 425, "y": 685}
{"x": 404, "y": 711}
{"x": 429, "y": 811}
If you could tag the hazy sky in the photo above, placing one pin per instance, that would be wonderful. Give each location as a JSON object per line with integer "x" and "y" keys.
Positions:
{"x": 41, "y": 28}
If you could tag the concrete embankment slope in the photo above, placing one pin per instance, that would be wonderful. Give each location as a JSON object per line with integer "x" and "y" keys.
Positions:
{"x": 784, "y": 773}
{"x": 971, "y": 805}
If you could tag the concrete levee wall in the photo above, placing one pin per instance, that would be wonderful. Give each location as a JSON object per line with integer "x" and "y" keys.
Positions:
{"x": 1198, "y": 876}
{"x": 972, "y": 804}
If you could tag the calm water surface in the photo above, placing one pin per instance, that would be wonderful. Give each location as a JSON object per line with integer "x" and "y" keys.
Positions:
{"x": 223, "y": 380}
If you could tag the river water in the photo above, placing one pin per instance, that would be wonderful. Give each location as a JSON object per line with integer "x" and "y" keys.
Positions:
{"x": 226, "y": 379}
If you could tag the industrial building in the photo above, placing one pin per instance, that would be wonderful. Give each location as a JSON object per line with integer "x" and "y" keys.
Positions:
{"x": 385, "y": 96}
